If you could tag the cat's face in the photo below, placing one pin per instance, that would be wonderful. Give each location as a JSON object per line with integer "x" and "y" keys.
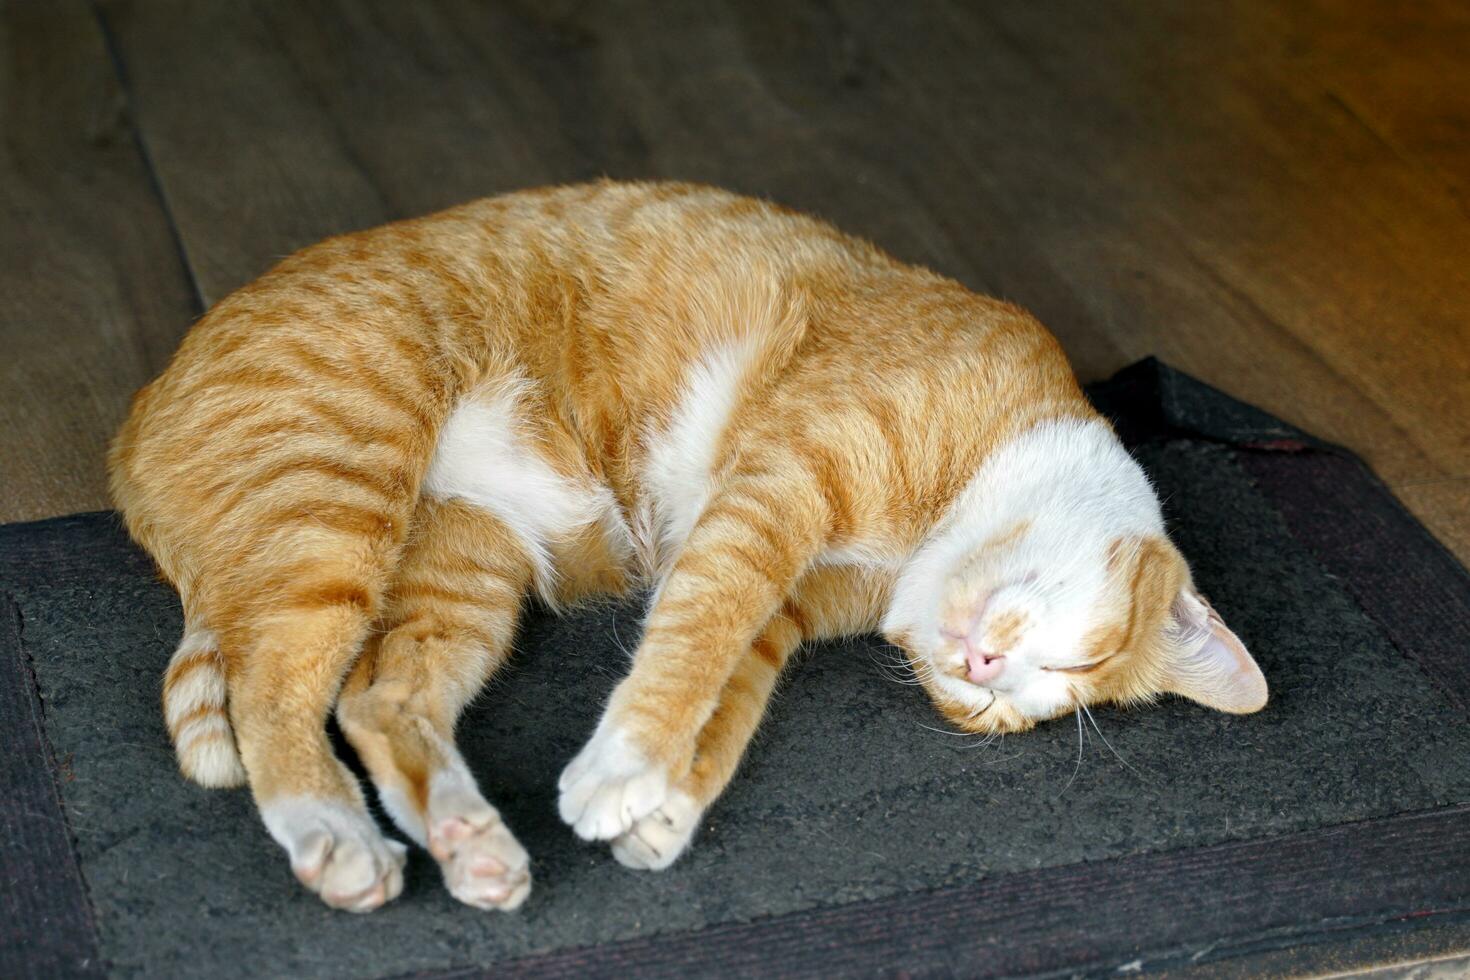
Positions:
{"x": 1028, "y": 619}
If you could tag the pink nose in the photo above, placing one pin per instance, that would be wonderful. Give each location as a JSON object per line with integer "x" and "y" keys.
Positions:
{"x": 984, "y": 667}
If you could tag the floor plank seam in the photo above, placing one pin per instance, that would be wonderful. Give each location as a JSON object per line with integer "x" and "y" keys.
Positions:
{"x": 119, "y": 68}
{"x": 349, "y": 152}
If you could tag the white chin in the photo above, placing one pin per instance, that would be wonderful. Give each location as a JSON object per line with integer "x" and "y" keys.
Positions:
{"x": 1040, "y": 704}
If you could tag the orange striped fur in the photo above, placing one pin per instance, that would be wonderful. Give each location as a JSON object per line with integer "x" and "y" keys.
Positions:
{"x": 356, "y": 467}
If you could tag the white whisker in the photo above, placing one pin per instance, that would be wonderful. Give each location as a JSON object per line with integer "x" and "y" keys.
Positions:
{"x": 1110, "y": 744}
{"x": 943, "y": 731}
{"x": 1008, "y": 758}
{"x": 618, "y": 640}
{"x": 1078, "y": 767}
{"x": 893, "y": 673}
{"x": 987, "y": 739}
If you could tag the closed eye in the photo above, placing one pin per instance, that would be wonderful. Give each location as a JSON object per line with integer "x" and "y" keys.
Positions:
{"x": 1086, "y": 668}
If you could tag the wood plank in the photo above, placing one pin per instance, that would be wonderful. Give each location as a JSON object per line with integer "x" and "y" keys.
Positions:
{"x": 95, "y": 296}
{"x": 1403, "y": 78}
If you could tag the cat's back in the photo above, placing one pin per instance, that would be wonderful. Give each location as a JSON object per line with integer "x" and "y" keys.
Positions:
{"x": 617, "y": 224}
{"x": 605, "y": 256}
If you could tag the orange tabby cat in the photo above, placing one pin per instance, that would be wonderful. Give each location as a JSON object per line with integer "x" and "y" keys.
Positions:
{"x": 356, "y": 467}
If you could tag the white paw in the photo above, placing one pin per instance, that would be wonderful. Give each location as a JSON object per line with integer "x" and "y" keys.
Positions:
{"x": 655, "y": 841}
{"x": 337, "y": 851}
{"x": 609, "y": 785}
{"x": 483, "y": 864}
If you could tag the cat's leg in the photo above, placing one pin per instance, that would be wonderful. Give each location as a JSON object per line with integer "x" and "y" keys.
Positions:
{"x": 753, "y": 540}
{"x": 286, "y": 648}
{"x": 452, "y": 610}
{"x": 826, "y": 603}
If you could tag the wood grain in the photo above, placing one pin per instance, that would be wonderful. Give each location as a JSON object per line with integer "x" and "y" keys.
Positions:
{"x": 93, "y": 297}
{"x": 1270, "y": 195}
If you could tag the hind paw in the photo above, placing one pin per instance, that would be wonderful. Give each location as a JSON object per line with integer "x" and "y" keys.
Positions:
{"x": 483, "y": 864}
{"x": 337, "y": 852}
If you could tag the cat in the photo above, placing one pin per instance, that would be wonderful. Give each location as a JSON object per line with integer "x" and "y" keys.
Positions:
{"x": 356, "y": 468}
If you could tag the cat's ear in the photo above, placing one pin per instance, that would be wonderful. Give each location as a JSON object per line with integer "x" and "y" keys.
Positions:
{"x": 1206, "y": 662}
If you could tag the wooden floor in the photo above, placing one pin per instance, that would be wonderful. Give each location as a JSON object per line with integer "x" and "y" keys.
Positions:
{"x": 1271, "y": 194}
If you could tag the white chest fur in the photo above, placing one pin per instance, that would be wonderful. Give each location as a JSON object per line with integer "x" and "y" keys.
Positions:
{"x": 487, "y": 455}
{"x": 680, "y": 457}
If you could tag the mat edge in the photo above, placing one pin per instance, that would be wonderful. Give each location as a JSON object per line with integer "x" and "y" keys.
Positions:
{"x": 915, "y": 934}
{"x": 40, "y": 846}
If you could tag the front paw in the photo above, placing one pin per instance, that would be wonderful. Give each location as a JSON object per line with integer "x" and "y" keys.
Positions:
{"x": 654, "y": 842}
{"x": 610, "y": 785}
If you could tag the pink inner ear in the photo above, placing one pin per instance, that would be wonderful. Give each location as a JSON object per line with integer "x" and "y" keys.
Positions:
{"x": 1214, "y": 667}
{"x": 1235, "y": 650}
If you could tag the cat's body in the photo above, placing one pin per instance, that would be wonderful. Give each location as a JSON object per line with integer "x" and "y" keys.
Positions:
{"x": 357, "y": 467}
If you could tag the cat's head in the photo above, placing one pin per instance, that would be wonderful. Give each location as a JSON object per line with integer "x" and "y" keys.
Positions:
{"x": 1054, "y": 585}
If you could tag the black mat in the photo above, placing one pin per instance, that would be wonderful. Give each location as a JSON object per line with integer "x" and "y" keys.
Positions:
{"x": 857, "y": 839}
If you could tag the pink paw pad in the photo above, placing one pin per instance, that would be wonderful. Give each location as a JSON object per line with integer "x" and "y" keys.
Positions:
{"x": 482, "y": 863}
{"x": 446, "y": 834}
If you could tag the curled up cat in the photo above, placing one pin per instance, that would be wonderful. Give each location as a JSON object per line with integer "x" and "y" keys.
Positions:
{"x": 357, "y": 468}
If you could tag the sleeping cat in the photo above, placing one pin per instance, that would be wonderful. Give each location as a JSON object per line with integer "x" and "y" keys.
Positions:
{"x": 357, "y": 467}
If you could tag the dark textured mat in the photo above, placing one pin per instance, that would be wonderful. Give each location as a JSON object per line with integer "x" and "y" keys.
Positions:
{"x": 851, "y": 807}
